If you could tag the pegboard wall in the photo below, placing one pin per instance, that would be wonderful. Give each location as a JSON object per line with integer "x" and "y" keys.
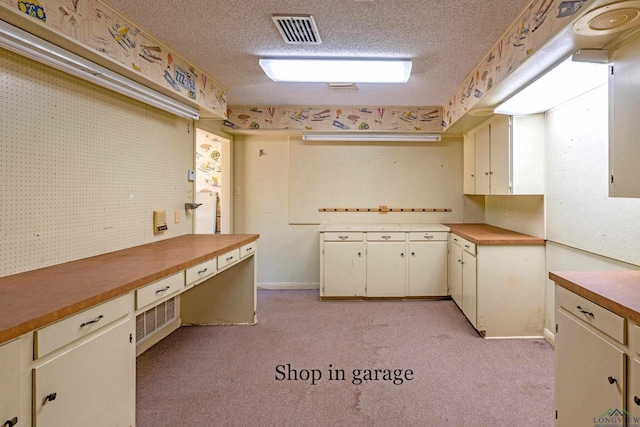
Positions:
{"x": 348, "y": 175}
{"x": 82, "y": 168}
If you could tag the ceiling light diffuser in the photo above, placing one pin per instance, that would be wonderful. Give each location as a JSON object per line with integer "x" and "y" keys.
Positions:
{"x": 566, "y": 81}
{"x": 337, "y": 70}
{"x": 371, "y": 137}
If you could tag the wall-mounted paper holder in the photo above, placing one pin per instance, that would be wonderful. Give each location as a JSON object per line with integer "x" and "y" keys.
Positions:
{"x": 192, "y": 205}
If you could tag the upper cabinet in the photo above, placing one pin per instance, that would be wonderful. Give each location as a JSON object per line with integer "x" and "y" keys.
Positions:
{"x": 505, "y": 155}
{"x": 624, "y": 126}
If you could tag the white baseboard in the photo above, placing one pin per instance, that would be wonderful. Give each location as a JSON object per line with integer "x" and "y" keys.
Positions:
{"x": 289, "y": 285}
{"x": 550, "y": 337}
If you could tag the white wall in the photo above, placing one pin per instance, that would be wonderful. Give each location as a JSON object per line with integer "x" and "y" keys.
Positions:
{"x": 586, "y": 230}
{"x": 524, "y": 214}
{"x": 288, "y": 254}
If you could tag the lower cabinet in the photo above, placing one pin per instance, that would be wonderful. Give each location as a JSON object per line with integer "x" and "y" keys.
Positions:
{"x": 499, "y": 288}
{"x": 383, "y": 264}
{"x": 89, "y": 385}
{"x": 590, "y": 364}
{"x": 10, "y": 389}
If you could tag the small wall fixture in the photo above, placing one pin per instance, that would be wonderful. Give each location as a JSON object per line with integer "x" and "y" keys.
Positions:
{"x": 371, "y": 137}
{"x": 333, "y": 70}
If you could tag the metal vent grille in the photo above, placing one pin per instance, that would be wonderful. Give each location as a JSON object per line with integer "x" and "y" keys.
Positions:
{"x": 300, "y": 29}
{"x": 154, "y": 318}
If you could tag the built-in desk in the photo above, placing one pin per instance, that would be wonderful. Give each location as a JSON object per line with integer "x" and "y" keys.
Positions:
{"x": 68, "y": 332}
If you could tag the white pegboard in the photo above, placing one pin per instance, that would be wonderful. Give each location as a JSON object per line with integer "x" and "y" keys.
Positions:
{"x": 82, "y": 168}
{"x": 347, "y": 175}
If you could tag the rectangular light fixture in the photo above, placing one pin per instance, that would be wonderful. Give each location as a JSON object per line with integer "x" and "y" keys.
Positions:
{"x": 569, "y": 79}
{"x": 26, "y": 44}
{"x": 331, "y": 70}
{"x": 371, "y": 137}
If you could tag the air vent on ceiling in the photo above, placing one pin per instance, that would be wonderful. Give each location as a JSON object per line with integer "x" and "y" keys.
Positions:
{"x": 609, "y": 19}
{"x": 299, "y": 29}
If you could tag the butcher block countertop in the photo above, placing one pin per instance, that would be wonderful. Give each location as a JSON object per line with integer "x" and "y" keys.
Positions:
{"x": 36, "y": 298}
{"x": 483, "y": 234}
{"x": 618, "y": 291}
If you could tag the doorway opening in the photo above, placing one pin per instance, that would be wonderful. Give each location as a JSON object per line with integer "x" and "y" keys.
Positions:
{"x": 213, "y": 183}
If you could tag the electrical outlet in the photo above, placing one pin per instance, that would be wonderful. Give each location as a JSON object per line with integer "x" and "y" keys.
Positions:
{"x": 176, "y": 217}
{"x": 505, "y": 212}
{"x": 189, "y": 194}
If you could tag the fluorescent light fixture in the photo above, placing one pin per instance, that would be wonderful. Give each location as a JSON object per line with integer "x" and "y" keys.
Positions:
{"x": 310, "y": 70}
{"x": 564, "y": 82}
{"x": 371, "y": 137}
{"x": 26, "y": 44}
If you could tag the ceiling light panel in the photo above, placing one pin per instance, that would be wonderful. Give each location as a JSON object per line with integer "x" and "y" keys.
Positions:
{"x": 301, "y": 29}
{"x": 337, "y": 70}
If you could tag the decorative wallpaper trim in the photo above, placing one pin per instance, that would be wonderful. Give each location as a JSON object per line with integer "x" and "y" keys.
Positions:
{"x": 95, "y": 25}
{"x": 535, "y": 26}
{"x": 416, "y": 119}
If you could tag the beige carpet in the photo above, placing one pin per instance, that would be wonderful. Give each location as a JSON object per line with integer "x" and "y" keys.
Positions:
{"x": 240, "y": 376}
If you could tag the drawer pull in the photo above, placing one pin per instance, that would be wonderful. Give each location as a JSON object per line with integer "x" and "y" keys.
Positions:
{"x": 455, "y": 240}
{"x": 12, "y": 422}
{"x": 466, "y": 246}
{"x": 159, "y": 291}
{"x": 636, "y": 399}
{"x": 386, "y": 237}
{"x": 343, "y": 237}
{"x": 248, "y": 249}
{"x": 50, "y": 398}
{"x": 96, "y": 320}
{"x": 427, "y": 236}
{"x": 229, "y": 259}
{"x": 588, "y": 313}
{"x": 612, "y": 380}
{"x": 203, "y": 271}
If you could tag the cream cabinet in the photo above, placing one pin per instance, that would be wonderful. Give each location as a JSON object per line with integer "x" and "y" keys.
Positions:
{"x": 590, "y": 363}
{"x": 90, "y": 384}
{"x": 505, "y": 155}
{"x": 380, "y": 264}
{"x": 624, "y": 126}
{"x": 11, "y": 397}
{"x": 499, "y": 288}
{"x": 342, "y": 272}
{"x": 386, "y": 264}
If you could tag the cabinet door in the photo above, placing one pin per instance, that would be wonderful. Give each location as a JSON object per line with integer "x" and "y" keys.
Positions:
{"x": 633, "y": 405}
{"x": 90, "y": 385}
{"x": 386, "y": 269}
{"x": 455, "y": 273}
{"x": 343, "y": 269}
{"x": 469, "y": 287}
{"x": 10, "y": 395}
{"x": 427, "y": 269}
{"x": 500, "y": 156}
{"x": 483, "y": 160}
{"x": 469, "y": 163}
{"x": 590, "y": 374}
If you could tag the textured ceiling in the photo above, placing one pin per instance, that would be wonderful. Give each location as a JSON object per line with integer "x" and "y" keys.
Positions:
{"x": 445, "y": 39}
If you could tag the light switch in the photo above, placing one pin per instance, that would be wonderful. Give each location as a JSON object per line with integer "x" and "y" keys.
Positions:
{"x": 176, "y": 217}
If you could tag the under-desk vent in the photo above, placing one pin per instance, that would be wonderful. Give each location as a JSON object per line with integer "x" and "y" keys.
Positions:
{"x": 155, "y": 318}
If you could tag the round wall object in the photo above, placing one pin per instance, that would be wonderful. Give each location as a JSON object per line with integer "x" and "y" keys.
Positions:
{"x": 609, "y": 19}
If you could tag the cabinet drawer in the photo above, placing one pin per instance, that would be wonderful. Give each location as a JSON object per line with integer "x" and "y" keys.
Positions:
{"x": 427, "y": 236}
{"x": 200, "y": 271}
{"x": 385, "y": 237}
{"x": 469, "y": 246}
{"x": 343, "y": 237}
{"x": 228, "y": 258}
{"x": 58, "y": 334}
{"x": 599, "y": 317}
{"x": 158, "y": 290}
{"x": 248, "y": 249}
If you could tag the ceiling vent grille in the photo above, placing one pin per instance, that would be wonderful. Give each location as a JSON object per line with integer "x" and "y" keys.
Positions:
{"x": 299, "y": 29}
{"x": 609, "y": 19}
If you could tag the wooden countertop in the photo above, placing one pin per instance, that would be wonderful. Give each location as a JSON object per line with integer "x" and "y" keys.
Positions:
{"x": 618, "y": 291}
{"x": 36, "y": 298}
{"x": 483, "y": 234}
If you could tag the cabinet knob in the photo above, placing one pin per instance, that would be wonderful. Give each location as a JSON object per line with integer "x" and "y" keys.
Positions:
{"x": 359, "y": 254}
{"x": 402, "y": 254}
{"x": 50, "y": 397}
{"x": 413, "y": 254}
{"x": 612, "y": 380}
{"x": 636, "y": 399}
{"x": 486, "y": 173}
{"x": 10, "y": 423}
